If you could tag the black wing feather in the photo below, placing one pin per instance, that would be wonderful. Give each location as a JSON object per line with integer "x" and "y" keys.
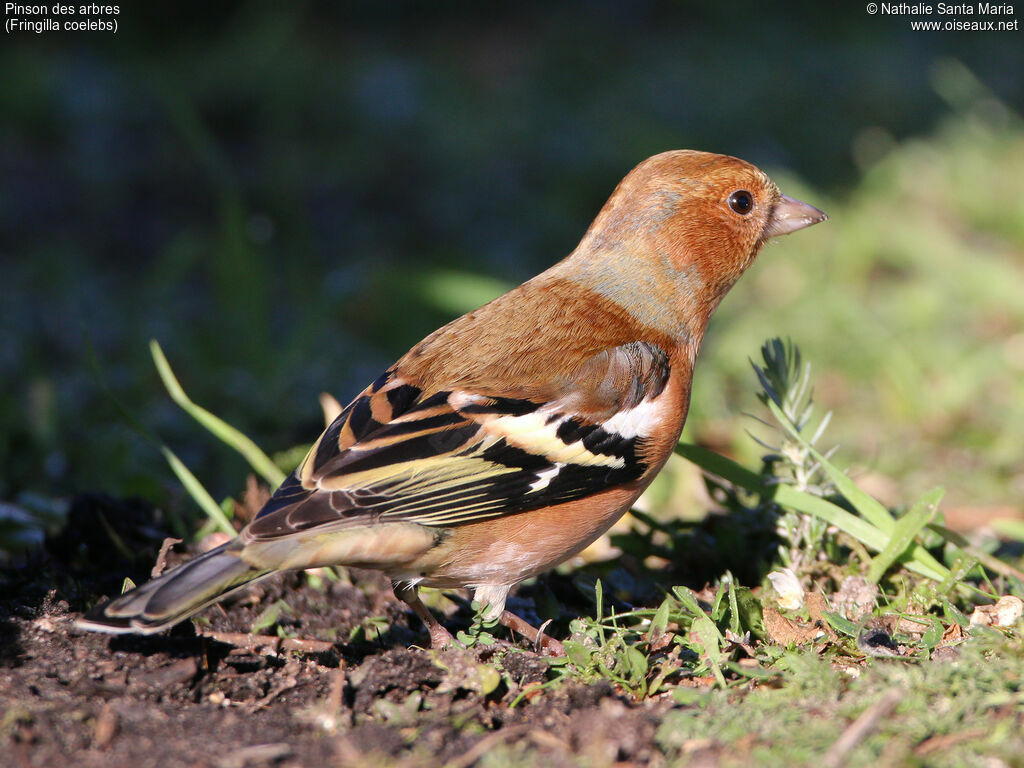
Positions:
{"x": 366, "y": 467}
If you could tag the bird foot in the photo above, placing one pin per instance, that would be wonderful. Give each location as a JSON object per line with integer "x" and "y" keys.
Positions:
{"x": 545, "y": 644}
{"x": 441, "y": 638}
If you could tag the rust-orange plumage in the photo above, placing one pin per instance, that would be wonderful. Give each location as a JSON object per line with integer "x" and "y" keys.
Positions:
{"x": 511, "y": 438}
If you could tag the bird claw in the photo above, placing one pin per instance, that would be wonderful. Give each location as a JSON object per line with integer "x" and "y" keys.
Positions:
{"x": 441, "y": 638}
{"x": 544, "y": 644}
{"x": 547, "y": 645}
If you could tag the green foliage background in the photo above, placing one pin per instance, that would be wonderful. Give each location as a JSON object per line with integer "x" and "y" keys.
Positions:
{"x": 288, "y": 196}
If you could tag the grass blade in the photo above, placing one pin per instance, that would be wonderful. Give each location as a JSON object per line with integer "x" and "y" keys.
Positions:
{"x": 1009, "y": 527}
{"x": 184, "y": 475}
{"x": 903, "y": 534}
{"x": 991, "y": 562}
{"x": 704, "y": 629}
{"x": 220, "y": 429}
{"x": 921, "y": 561}
{"x": 869, "y": 508}
{"x": 784, "y": 495}
{"x": 197, "y": 491}
{"x": 709, "y": 636}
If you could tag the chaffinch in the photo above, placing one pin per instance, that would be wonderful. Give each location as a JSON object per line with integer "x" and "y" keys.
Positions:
{"x": 510, "y": 439}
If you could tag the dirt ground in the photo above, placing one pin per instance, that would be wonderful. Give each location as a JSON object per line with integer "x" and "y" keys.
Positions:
{"x": 186, "y": 700}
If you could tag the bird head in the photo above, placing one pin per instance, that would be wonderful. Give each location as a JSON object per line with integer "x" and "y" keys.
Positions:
{"x": 685, "y": 225}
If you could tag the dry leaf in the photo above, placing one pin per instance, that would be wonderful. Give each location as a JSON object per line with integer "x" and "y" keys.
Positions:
{"x": 954, "y": 634}
{"x": 816, "y": 607}
{"x": 783, "y": 631}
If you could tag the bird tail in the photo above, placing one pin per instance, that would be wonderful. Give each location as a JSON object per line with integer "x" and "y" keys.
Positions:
{"x": 174, "y": 596}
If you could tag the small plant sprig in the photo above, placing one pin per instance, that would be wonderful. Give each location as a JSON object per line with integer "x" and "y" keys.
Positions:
{"x": 799, "y": 489}
{"x": 646, "y": 651}
{"x": 786, "y": 381}
{"x": 480, "y": 632}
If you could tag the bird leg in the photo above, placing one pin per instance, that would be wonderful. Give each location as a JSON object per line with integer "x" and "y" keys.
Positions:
{"x": 494, "y": 597}
{"x": 442, "y": 638}
{"x": 409, "y": 594}
{"x": 535, "y": 636}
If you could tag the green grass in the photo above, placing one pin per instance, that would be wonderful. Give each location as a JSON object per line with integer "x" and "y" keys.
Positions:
{"x": 971, "y": 708}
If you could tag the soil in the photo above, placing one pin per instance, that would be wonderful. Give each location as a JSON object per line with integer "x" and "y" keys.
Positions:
{"x": 354, "y": 696}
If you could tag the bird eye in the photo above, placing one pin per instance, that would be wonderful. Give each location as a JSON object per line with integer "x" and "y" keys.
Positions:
{"x": 741, "y": 202}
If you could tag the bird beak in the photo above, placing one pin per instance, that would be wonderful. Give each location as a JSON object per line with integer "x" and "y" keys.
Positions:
{"x": 789, "y": 215}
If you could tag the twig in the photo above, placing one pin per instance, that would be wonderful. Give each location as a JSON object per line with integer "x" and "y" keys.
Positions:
{"x": 478, "y": 750}
{"x": 161, "y": 560}
{"x": 548, "y": 740}
{"x": 337, "y": 688}
{"x": 271, "y": 643}
{"x": 284, "y": 680}
{"x": 106, "y": 727}
{"x": 861, "y": 728}
{"x": 945, "y": 741}
{"x": 256, "y": 754}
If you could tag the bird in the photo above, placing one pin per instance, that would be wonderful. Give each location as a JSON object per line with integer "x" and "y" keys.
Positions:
{"x": 510, "y": 439}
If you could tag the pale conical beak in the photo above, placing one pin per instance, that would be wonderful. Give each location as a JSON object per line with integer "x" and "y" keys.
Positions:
{"x": 789, "y": 215}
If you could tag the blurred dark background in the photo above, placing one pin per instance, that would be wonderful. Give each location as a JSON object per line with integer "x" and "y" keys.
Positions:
{"x": 287, "y": 196}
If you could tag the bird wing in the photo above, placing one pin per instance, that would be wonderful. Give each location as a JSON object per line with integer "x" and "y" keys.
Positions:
{"x": 399, "y": 454}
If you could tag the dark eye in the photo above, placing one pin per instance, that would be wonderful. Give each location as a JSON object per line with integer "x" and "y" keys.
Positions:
{"x": 741, "y": 201}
